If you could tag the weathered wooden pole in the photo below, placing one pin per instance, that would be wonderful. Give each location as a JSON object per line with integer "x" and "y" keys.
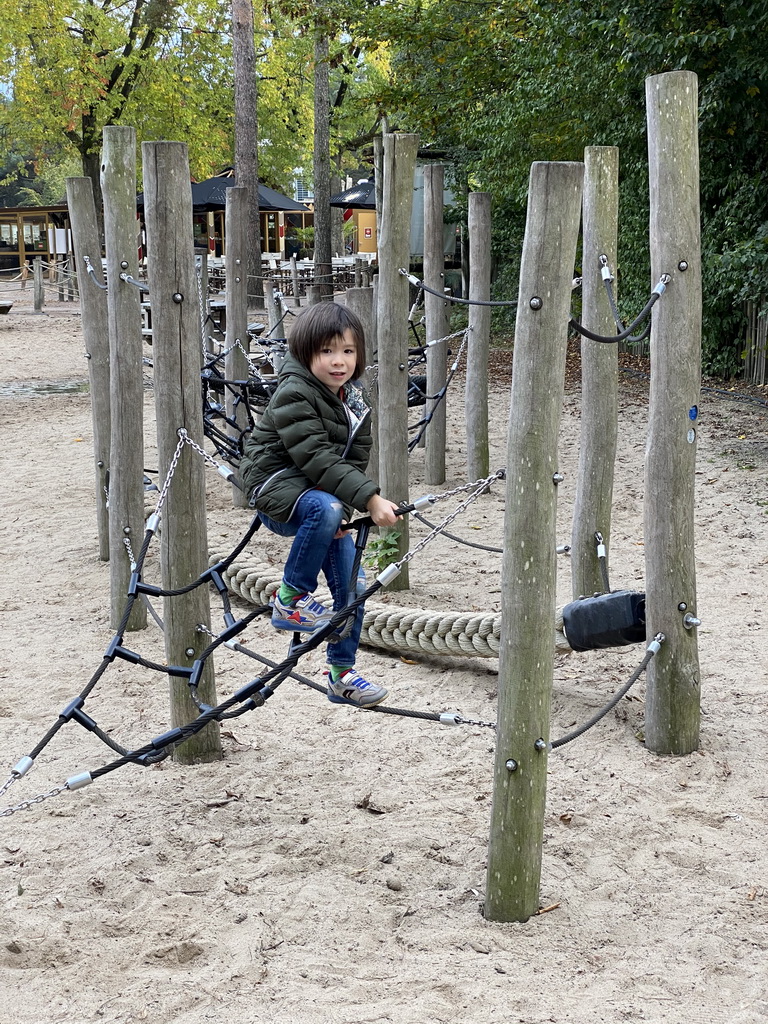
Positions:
{"x": 176, "y": 348}
{"x": 437, "y": 315}
{"x": 674, "y": 683}
{"x": 372, "y": 359}
{"x": 295, "y": 281}
{"x": 360, "y": 301}
{"x": 526, "y": 658}
{"x": 38, "y": 292}
{"x": 392, "y": 314}
{"x": 86, "y": 243}
{"x": 476, "y": 388}
{"x": 272, "y": 303}
{"x": 126, "y": 383}
{"x": 599, "y": 373}
{"x": 237, "y": 342}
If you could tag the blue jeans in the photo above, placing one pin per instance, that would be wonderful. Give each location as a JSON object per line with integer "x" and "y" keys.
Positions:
{"x": 313, "y": 526}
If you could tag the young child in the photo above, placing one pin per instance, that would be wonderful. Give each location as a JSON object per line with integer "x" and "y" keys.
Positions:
{"x": 304, "y": 470}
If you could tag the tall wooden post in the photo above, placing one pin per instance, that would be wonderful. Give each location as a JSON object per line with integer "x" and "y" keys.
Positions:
{"x": 237, "y": 343}
{"x": 599, "y": 373}
{"x": 175, "y": 344}
{"x": 86, "y": 242}
{"x": 437, "y": 316}
{"x": 295, "y": 282}
{"x": 126, "y": 461}
{"x": 38, "y": 285}
{"x": 674, "y": 682}
{"x": 360, "y": 301}
{"x": 272, "y": 304}
{"x": 526, "y": 657}
{"x": 394, "y": 255}
{"x": 476, "y": 388}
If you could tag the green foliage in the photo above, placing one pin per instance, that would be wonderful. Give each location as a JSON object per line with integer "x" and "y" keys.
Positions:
{"x": 382, "y": 551}
{"x": 49, "y": 187}
{"x": 499, "y": 86}
{"x": 71, "y": 68}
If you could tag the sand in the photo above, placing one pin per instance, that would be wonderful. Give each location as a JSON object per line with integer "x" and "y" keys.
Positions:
{"x": 331, "y": 868}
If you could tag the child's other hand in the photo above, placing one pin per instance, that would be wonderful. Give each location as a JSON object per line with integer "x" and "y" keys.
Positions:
{"x": 381, "y": 511}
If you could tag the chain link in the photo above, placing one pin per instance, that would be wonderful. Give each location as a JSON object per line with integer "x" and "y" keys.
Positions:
{"x": 26, "y": 804}
{"x": 202, "y": 311}
{"x": 462, "y": 488}
{"x": 186, "y": 439}
{"x": 472, "y": 721}
{"x": 8, "y": 783}
{"x": 171, "y": 471}
{"x": 479, "y": 486}
{"x": 129, "y": 549}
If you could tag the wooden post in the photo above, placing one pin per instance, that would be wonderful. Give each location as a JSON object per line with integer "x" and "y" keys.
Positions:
{"x": 526, "y": 657}
{"x": 360, "y": 301}
{"x": 38, "y": 294}
{"x": 237, "y": 341}
{"x": 599, "y": 373}
{"x": 126, "y": 461}
{"x": 295, "y": 280}
{"x": 674, "y": 682}
{"x": 175, "y": 345}
{"x": 476, "y": 387}
{"x": 86, "y": 241}
{"x": 392, "y": 314}
{"x": 272, "y": 304}
{"x": 372, "y": 359}
{"x": 437, "y": 316}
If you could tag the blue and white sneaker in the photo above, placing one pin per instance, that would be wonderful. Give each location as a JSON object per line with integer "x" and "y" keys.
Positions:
{"x": 351, "y": 688}
{"x": 304, "y": 615}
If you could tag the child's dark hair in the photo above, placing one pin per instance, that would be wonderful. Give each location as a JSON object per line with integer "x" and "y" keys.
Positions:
{"x": 320, "y": 324}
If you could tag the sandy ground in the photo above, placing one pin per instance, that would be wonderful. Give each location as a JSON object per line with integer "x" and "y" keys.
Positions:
{"x": 330, "y": 869}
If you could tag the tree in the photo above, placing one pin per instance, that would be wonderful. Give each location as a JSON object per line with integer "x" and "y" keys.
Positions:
{"x": 74, "y": 67}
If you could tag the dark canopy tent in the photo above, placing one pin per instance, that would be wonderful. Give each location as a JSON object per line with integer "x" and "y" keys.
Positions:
{"x": 360, "y": 197}
{"x": 211, "y": 195}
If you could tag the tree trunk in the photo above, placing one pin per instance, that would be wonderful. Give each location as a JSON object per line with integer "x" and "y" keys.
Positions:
{"x": 322, "y": 167}
{"x": 247, "y": 136}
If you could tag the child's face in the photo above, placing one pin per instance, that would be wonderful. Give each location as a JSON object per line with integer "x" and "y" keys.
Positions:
{"x": 335, "y": 363}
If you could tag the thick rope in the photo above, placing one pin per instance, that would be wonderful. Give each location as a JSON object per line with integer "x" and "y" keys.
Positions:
{"x": 403, "y": 630}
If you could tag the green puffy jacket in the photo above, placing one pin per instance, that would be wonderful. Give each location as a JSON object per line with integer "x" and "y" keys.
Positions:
{"x": 308, "y": 437}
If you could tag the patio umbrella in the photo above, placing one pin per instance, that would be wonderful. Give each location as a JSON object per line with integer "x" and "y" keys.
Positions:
{"x": 211, "y": 194}
{"x": 361, "y": 196}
